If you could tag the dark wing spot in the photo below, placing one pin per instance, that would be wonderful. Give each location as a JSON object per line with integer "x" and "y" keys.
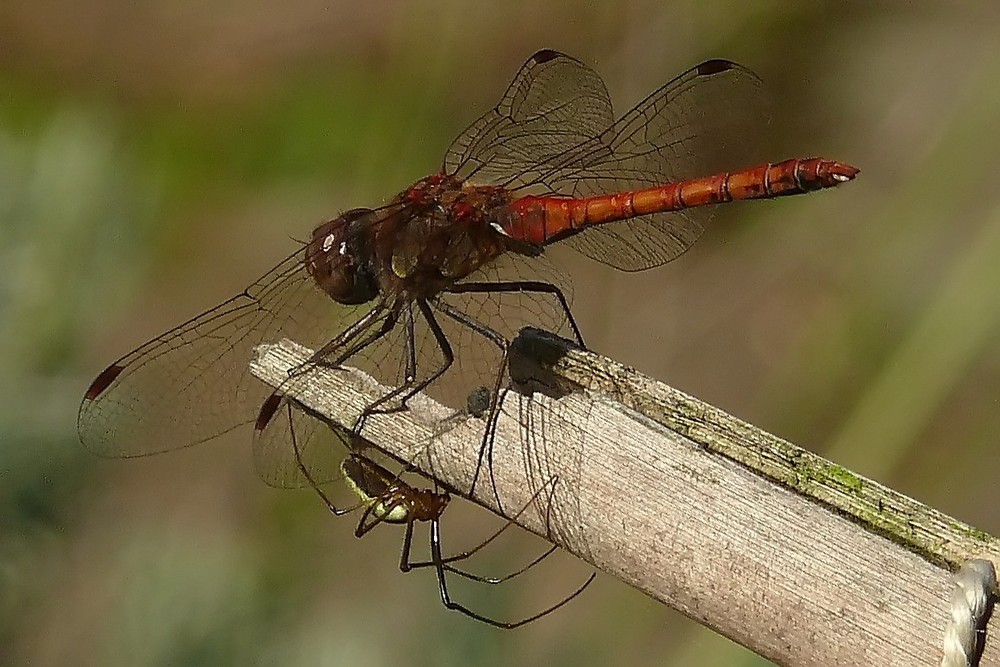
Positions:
{"x": 715, "y": 66}
{"x": 545, "y": 55}
{"x": 103, "y": 381}
{"x": 267, "y": 411}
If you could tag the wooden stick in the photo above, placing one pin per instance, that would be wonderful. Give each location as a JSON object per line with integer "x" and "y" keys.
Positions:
{"x": 790, "y": 555}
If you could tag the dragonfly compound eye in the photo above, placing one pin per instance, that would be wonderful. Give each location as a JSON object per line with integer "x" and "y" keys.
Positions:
{"x": 340, "y": 261}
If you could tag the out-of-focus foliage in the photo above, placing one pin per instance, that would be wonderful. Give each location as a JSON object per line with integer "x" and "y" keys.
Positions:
{"x": 155, "y": 158}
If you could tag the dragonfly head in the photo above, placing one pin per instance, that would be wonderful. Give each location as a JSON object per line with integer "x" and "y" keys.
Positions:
{"x": 340, "y": 260}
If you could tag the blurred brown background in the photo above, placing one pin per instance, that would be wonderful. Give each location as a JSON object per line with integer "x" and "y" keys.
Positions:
{"x": 157, "y": 157}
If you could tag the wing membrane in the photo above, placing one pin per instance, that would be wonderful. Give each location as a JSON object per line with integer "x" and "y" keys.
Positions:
{"x": 193, "y": 383}
{"x": 703, "y": 122}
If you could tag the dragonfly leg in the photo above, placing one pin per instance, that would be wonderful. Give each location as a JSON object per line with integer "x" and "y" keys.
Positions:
{"x": 411, "y": 385}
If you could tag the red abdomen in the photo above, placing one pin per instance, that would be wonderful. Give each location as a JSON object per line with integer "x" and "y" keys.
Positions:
{"x": 541, "y": 220}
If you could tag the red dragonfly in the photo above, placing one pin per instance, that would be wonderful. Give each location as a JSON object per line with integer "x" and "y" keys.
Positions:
{"x": 425, "y": 291}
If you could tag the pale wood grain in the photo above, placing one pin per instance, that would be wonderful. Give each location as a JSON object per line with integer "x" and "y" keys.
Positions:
{"x": 792, "y": 556}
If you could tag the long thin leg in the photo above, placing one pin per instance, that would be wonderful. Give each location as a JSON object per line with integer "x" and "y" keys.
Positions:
{"x": 497, "y": 339}
{"x": 548, "y": 518}
{"x": 404, "y": 556}
{"x": 348, "y": 335}
{"x": 305, "y": 471}
{"x": 318, "y": 357}
{"x": 451, "y": 604}
{"x": 411, "y": 386}
{"x": 486, "y": 448}
{"x": 388, "y": 325}
{"x": 409, "y": 372}
{"x": 533, "y": 286}
{"x": 411, "y": 346}
{"x": 507, "y": 577}
{"x": 469, "y": 553}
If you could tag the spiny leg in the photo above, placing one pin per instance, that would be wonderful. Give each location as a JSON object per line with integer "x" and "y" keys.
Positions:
{"x": 388, "y": 325}
{"x": 485, "y": 449}
{"x": 411, "y": 386}
{"x": 456, "y": 606}
{"x": 530, "y": 286}
{"x": 318, "y": 358}
{"x": 496, "y": 534}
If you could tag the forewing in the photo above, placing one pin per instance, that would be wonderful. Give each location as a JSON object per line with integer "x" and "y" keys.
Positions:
{"x": 554, "y": 104}
{"x": 193, "y": 383}
{"x": 553, "y": 132}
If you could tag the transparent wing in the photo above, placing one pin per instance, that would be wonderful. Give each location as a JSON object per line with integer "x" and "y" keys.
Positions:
{"x": 554, "y": 104}
{"x": 703, "y": 122}
{"x": 299, "y": 450}
{"x": 470, "y": 325}
{"x": 504, "y": 311}
{"x": 193, "y": 383}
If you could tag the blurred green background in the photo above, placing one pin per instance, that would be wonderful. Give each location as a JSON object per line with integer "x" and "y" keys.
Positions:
{"x": 155, "y": 158}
